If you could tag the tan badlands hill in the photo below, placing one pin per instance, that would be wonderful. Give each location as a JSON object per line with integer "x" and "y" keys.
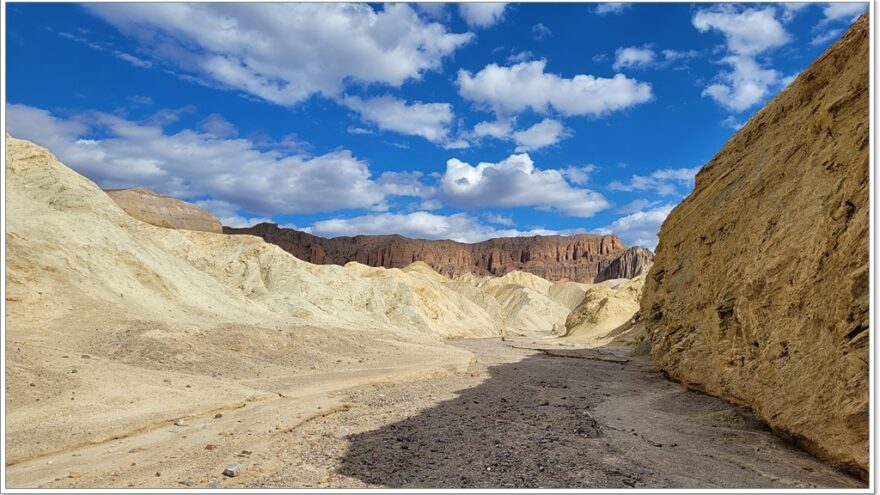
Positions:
{"x": 759, "y": 291}
{"x": 583, "y": 258}
{"x": 164, "y": 211}
{"x": 193, "y": 322}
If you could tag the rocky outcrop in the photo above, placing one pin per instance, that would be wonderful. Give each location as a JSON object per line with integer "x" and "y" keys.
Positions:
{"x": 630, "y": 264}
{"x": 579, "y": 258}
{"x": 759, "y": 289}
{"x": 164, "y": 211}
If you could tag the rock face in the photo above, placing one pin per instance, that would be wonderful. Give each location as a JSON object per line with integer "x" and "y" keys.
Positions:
{"x": 759, "y": 290}
{"x": 630, "y": 264}
{"x": 580, "y": 258}
{"x": 164, "y": 211}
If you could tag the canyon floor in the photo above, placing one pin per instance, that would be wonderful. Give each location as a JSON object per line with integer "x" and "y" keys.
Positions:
{"x": 525, "y": 413}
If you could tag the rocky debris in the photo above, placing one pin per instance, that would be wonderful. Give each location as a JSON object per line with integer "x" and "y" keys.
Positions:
{"x": 759, "y": 291}
{"x": 580, "y": 258}
{"x": 164, "y": 211}
{"x": 180, "y": 422}
{"x": 232, "y": 470}
{"x": 629, "y": 264}
{"x": 213, "y": 484}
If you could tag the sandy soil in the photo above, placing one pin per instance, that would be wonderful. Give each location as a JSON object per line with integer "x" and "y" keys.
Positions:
{"x": 515, "y": 417}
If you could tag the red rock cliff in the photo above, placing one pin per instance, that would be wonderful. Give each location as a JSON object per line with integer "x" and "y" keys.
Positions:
{"x": 581, "y": 258}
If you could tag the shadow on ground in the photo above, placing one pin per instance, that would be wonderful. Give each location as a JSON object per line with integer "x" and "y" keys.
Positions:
{"x": 579, "y": 419}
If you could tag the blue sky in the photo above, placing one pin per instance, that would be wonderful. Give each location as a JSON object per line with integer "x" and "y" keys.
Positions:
{"x": 462, "y": 121}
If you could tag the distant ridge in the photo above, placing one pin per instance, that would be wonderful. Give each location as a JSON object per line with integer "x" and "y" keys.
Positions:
{"x": 584, "y": 258}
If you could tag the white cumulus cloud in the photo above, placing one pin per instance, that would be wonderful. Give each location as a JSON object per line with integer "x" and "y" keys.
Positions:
{"x": 286, "y": 52}
{"x": 633, "y": 56}
{"x": 516, "y": 182}
{"x": 192, "y": 163}
{"x": 513, "y": 89}
{"x": 639, "y": 228}
{"x": 482, "y": 14}
{"x": 428, "y": 120}
{"x": 545, "y": 133}
{"x": 748, "y": 33}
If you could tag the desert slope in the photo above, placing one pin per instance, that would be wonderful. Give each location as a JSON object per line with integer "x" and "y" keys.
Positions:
{"x": 96, "y": 298}
{"x": 759, "y": 291}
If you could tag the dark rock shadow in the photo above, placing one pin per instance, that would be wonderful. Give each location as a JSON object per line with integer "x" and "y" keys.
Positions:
{"x": 581, "y": 418}
{"x": 521, "y": 428}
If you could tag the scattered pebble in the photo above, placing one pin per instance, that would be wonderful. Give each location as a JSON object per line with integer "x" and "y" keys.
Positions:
{"x": 213, "y": 484}
{"x": 180, "y": 422}
{"x": 218, "y": 416}
{"x": 74, "y": 474}
{"x": 232, "y": 470}
{"x": 186, "y": 482}
{"x": 86, "y": 356}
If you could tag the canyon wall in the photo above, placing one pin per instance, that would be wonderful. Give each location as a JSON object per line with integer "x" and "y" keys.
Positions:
{"x": 580, "y": 258}
{"x": 759, "y": 291}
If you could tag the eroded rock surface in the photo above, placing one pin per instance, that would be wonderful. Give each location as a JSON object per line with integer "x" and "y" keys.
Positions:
{"x": 579, "y": 258}
{"x": 759, "y": 290}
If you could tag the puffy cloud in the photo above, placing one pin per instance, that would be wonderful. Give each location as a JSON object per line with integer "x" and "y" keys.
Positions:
{"x": 419, "y": 225}
{"x": 515, "y": 182}
{"x": 633, "y": 56}
{"x": 192, "y": 163}
{"x": 664, "y": 182}
{"x": 428, "y": 120}
{"x": 745, "y": 86}
{"x": 612, "y": 8}
{"x": 500, "y": 129}
{"x": 508, "y": 90}
{"x": 639, "y": 228}
{"x": 545, "y": 133}
{"x": 286, "y": 52}
{"x": 482, "y": 14}
{"x": 748, "y": 33}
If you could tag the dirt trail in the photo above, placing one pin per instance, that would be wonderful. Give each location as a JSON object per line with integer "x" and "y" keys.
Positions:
{"x": 559, "y": 417}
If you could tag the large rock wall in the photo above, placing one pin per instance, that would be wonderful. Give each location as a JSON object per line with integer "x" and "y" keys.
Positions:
{"x": 580, "y": 258}
{"x": 759, "y": 289}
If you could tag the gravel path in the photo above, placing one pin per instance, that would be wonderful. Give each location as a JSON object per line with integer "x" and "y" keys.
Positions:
{"x": 558, "y": 418}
